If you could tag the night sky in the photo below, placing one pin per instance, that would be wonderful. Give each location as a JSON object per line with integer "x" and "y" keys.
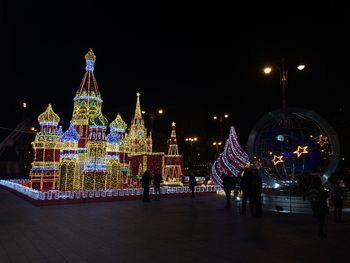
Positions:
{"x": 193, "y": 61}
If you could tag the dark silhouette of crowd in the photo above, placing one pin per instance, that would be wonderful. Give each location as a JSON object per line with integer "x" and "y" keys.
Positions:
{"x": 251, "y": 189}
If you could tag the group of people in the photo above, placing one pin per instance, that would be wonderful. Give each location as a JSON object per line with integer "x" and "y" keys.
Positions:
{"x": 156, "y": 179}
{"x": 318, "y": 195}
{"x": 250, "y": 187}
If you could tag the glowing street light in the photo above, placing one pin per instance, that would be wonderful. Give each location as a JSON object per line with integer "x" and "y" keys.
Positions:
{"x": 217, "y": 144}
{"x": 191, "y": 140}
{"x": 221, "y": 119}
{"x": 283, "y": 77}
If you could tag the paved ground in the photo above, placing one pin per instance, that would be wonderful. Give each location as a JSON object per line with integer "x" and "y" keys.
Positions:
{"x": 172, "y": 230}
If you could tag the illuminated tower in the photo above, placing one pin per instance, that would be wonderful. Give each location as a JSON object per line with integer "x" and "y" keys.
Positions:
{"x": 114, "y": 141}
{"x": 173, "y": 161}
{"x": 95, "y": 167}
{"x": 44, "y": 173}
{"x": 69, "y": 176}
{"x": 87, "y": 102}
{"x": 139, "y": 142}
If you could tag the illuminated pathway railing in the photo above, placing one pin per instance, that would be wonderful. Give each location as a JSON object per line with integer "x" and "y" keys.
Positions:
{"x": 82, "y": 194}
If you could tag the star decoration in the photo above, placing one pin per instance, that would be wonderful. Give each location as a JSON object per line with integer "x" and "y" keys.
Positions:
{"x": 173, "y": 124}
{"x": 301, "y": 150}
{"x": 322, "y": 140}
{"x": 259, "y": 164}
{"x": 277, "y": 159}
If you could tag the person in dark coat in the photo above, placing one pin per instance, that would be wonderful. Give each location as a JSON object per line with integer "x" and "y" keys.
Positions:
{"x": 246, "y": 186}
{"x": 146, "y": 181}
{"x": 256, "y": 192}
{"x": 157, "y": 180}
{"x": 229, "y": 184}
{"x": 318, "y": 199}
{"x": 192, "y": 183}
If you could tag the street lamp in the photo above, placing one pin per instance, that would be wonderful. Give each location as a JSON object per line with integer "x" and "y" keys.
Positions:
{"x": 217, "y": 144}
{"x": 152, "y": 115}
{"x": 221, "y": 118}
{"x": 281, "y": 67}
{"x": 191, "y": 140}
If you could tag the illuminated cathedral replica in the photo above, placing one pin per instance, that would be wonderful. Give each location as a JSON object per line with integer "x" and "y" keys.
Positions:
{"x": 85, "y": 157}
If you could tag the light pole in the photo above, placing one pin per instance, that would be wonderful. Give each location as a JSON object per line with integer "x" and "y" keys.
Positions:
{"x": 152, "y": 115}
{"x": 191, "y": 140}
{"x": 217, "y": 144}
{"x": 283, "y": 70}
{"x": 221, "y": 118}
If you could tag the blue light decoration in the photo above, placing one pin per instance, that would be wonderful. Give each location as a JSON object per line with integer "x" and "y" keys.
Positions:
{"x": 114, "y": 137}
{"x": 71, "y": 135}
{"x": 90, "y": 59}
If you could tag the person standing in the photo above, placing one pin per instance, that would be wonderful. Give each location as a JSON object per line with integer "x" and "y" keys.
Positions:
{"x": 336, "y": 197}
{"x": 228, "y": 183}
{"x": 157, "y": 180}
{"x": 256, "y": 192}
{"x": 318, "y": 199}
{"x": 246, "y": 189}
{"x": 192, "y": 183}
{"x": 146, "y": 181}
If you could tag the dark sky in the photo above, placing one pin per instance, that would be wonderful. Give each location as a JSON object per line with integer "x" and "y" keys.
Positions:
{"x": 192, "y": 60}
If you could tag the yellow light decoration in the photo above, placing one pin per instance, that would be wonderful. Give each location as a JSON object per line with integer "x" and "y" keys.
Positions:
{"x": 322, "y": 140}
{"x": 301, "y": 150}
{"x": 277, "y": 159}
{"x": 84, "y": 158}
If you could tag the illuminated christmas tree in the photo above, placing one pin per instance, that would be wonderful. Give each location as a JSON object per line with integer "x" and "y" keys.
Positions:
{"x": 231, "y": 161}
{"x": 173, "y": 160}
{"x": 44, "y": 173}
{"x": 69, "y": 168}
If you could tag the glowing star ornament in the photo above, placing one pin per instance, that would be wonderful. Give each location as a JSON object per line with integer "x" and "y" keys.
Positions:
{"x": 277, "y": 159}
{"x": 322, "y": 140}
{"x": 301, "y": 150}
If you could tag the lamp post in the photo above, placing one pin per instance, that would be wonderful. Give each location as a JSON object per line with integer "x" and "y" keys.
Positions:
{"x": 191, "y": 140}
{"x": 217, "y": 144}
{"x": 152, "y": 115}
{"x": 283, "y": 70}
{"x": 221, "y": 118}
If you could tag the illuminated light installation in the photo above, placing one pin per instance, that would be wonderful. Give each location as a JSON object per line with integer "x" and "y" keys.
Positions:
{"x": 173, "y": 161}
{"x": 301, "y": 150}
{"x": 114, "y": 141}
{"x": 231, "y": 161}
{"x": 87, "y": 103}
{"x": 84, "y": 158}
{"x": 322, "y": 140}
{"x": 139, "y": 141}
{"x": 69, "y": 166}
{"x": 95, "y": 169}
{"x": 44, "y": 173}
{"x": 277, "y": 159}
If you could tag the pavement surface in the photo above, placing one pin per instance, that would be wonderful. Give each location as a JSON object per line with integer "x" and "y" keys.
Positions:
{"x": 187, "y": 229}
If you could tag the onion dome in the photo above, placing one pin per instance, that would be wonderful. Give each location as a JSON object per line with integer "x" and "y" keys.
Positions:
{"x": 71, "y": 134}
{"x": 98, "y": 120}
{"x": 118, "y": 124}
{"x": 49, "y": 116}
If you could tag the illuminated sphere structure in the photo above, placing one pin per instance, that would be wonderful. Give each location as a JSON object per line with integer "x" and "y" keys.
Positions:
{"x": 287, "y": 144}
